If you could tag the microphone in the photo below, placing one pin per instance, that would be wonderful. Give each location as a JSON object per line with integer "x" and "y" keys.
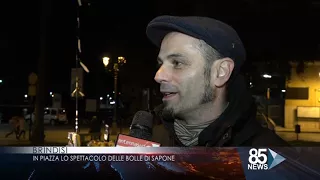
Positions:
{"x": 140, "y": 134}
{"x": 141, "y": 126}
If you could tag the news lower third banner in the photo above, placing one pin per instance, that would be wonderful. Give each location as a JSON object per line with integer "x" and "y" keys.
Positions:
{"x": 146, "y": 162}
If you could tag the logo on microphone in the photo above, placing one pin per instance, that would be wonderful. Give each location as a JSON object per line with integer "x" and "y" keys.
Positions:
{"x": 128, "y": 141}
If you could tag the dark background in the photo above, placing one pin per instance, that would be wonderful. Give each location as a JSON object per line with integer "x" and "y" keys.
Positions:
{"x": 276, "y": 31}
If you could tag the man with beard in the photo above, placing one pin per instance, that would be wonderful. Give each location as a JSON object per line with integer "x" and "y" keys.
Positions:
{"x": 205, "y": 98}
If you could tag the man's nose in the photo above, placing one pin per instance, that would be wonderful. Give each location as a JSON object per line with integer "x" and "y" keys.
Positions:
{"x": 162, "y": 75}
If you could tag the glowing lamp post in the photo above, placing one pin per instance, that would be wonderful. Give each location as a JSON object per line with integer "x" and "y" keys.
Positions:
{"x": 105, "y": 61}
{"x": 121, "y": 61}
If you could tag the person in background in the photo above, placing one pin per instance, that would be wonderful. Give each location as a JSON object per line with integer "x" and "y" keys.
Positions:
{"x": 17, "y": 125}
{"x": 21, "y": 127}
{"x": 13, "y": 124}
{"x": 95, "y": 127}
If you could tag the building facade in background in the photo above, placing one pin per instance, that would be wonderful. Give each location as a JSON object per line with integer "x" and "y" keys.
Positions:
{"x": 302, "y": 104}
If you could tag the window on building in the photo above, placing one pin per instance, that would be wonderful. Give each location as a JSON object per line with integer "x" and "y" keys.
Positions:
{"x": 297, "y": 93}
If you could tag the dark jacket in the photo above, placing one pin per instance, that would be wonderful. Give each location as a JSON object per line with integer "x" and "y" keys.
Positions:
{"x": 237, "y": 125}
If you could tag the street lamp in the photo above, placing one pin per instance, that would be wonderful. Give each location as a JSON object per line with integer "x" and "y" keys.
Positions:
{"x": 267, "y": 76}
{"x": 115, "y": 69}
{"x": 105, "y": 61}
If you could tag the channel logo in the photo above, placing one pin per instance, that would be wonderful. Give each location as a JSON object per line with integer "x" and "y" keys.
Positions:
{"x": 263, "y": 159}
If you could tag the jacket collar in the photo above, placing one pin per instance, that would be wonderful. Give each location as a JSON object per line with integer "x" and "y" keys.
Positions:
{"x": 225, "y": 131}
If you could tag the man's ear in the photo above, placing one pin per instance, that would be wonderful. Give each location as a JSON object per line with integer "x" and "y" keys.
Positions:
{"x": 221, "y": 71}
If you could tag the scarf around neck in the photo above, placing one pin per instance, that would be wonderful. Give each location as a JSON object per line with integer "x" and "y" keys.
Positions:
{"x": 188, "y": 133}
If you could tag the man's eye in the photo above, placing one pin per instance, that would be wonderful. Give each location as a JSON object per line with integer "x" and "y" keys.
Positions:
{"x": 177, "y": 64}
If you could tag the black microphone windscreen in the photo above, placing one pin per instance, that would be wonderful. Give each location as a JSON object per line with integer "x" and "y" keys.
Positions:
{"x": 140, "y": 134}
{"x": 141, "y": 126}
{"x": 143, "y": 118}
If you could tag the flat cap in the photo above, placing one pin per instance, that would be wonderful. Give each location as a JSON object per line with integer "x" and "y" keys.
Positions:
{"x": 217, "y": 34}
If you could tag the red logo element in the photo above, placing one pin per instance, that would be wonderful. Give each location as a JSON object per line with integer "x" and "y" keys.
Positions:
{"x": 128, "y": 141}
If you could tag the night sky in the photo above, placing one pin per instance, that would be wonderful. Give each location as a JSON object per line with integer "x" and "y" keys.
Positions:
{"x": 270, "y": 31}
